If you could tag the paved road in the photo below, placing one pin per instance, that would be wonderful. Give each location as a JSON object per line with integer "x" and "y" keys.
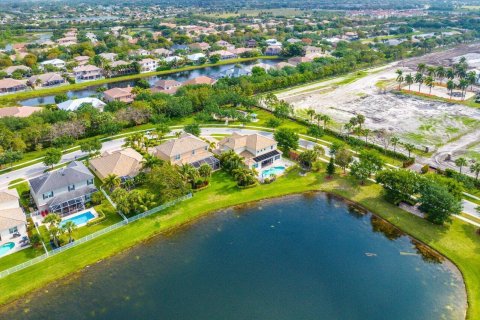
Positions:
{"x": 470, "y": 208}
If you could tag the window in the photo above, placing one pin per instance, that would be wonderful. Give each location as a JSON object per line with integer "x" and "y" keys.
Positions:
{"x": 48, "y": 195}
{"x": 177, "y": 157}
{"x": 13, "y": 230}
{"x": 89, "y": 182}
{"x": 71, "y": 187}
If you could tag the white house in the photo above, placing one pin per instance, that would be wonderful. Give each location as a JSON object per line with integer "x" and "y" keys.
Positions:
{"x": 57, "y": 63}
{"x": 72, "y": 105}
{"x": 195, "y": 57}
{"x": 148, "y": 65}
{"x": 87, "y": 72}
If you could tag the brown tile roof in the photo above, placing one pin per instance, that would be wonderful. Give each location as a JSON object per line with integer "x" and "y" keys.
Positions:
{"x": 118, "y": 92}
{"x": 199, "y": 80}
{"x": 10, "y": 218}
{"x": 185, "y": 143}
{"x": 253, "y": 141}
{"x": 10, "y": 83}
{"x": 19, "y": 112}
{"x": 126, "y": 162}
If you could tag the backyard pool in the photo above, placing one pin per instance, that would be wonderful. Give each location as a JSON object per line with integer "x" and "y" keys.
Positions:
{"x": 80, "y": 219}
{"x": 273, "y": 170}
{"x": 4, "y": 248}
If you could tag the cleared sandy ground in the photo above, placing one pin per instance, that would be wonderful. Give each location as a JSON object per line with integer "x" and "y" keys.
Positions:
{"x": 440, "y": 126}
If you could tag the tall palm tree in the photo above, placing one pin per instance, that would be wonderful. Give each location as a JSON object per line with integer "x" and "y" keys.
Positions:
{"x": 150, "y": 161}
{"x": 450, "y": 86}
{"x": 409, "y": 80}
{"x": 394, "y": 141}
{"x": 440, "y": 73}
{"x": 400, "y": 77}
{"x": 421, "y": 67}
{"x": 205, "y": 171}
{"x": 463, "y": 85}
{"x": 419, "y": 79}
{"x": 450, "y": 74}
{"x": 431, "y": 71}
{"x": 409, "y": 147}
{"x": 430, "y": 83}
{"x": 52, "y": 219}
{"x": 318, "y": 117}
{"x": 69, "y": 227}
{"x": 460, "y": 163}
{"x": 475, "y": 168}
{"x": 326, "y": 119}
{"x": 311, "y": 114}
{"x": 111, "y": 182}
{"x": 472, "y": 79}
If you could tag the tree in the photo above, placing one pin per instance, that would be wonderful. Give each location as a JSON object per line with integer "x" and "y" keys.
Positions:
{"x": 400, "y": 77}
{"x": 399, "y": 185}
{"x": 52, "y": 157}
{"x": 409, "y": 80}
{"x": 437, "y": 203}
{"x": 460, "y": 163}
{"x": 282, "y": 110}
{"x": 311, "y": 113}
{"x": 331, "y": 167}
{"x": 343, "y": 158}
{"x": 419, "y": 79}
{"x": 53, "y": 220}
{"x": 193, "y": 128}
{"x": 59, "y": 98}
{"x": 167, "y": 182}
{"x": 111, "y": 182}
{"x": 91, "y": 146}
{"x": 360, "y": 170}
{"x": 394, "y": 141}
{"x": 68, "y": 227}
{"x": 205, "y": 171}
{"x": 307, "y": 158}
{"x": 475, "y": 168}
{"x": 287, "y": 139}
{"x": 409, "y": 147}
{"x": 214, "y": 58}
{"x": 150, "y": 161}
{"x": 244, "y": 177}
{"x": 368, "y": 164}
{"x": 430, "y": 83}
{"x": 450, "y": 86}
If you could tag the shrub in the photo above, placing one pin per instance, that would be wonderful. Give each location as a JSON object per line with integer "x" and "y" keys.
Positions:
{"x": 425, "y": 169}
{"x": 273, "y": 122}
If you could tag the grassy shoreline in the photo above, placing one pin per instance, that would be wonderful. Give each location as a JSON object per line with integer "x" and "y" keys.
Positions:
{"x": 458, "y": 242}
{"x": 13, "y": 98}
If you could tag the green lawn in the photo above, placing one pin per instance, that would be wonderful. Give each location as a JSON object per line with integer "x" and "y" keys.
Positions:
{"x": 458, "y": 241}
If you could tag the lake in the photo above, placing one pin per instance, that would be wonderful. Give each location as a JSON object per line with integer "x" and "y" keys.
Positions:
{"x": 179, "y": 76}
{"x": 307, "y": 256}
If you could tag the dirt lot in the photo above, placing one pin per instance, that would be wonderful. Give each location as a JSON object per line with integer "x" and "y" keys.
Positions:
{"x": 445, "y": 127}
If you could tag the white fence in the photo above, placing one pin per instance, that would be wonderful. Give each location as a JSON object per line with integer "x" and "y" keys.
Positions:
{"x": 91, "y": 236}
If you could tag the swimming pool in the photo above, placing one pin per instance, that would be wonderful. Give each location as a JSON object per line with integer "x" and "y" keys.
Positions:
{"x": 273, "y": 170}
{"x": 79, "y": 220}
{"x": 4, "y": 248}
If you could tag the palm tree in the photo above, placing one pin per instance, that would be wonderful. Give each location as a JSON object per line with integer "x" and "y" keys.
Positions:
{"x": 409, "y": 80}
{"x": 430, "y": 83}
{"x": 311, "y": 114}
{"x": 188, "y": 173}
{"x": 419, "y": 80}
{"x": 475, "y": 168}
{"x": 150, "y": 161}
{"x": 472, "y": 79}
{"x": 69, "y": 227}
{"x": 400, "y": 78}
{"x": 450, "y": 86}
{"x": 52, "y": 219}
{"x": 431, "y": 72}
{"x": 460, "y": 163}
{"x": 450, "y": 74}
{"x": 55, "y": 233}
{"x": 440, "y": 73}
{"x": 365, "y": 133}
{"x": 318, "y": 117}
{"x": 111, "y": 182}
{"x": 205, "y": 171}
{"x": 129, "y": 184}
{"x": 463, "y": 85}
{"x": 421, "y": 67}
{"x": 326, "y": 119}
{"x": 394, "y": 141}
{"x": 409, "y": 147}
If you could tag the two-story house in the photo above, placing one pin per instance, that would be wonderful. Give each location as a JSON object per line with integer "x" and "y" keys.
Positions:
{"x": 119, "y": 94}
{"x": 187, "y": 149}
{"x": 257, "y": 151}
{"x": 64, "y": 191}
{"x": 13, "y": 222}
{"x": 148, "y": 65}
{"x": 87, "y": 72}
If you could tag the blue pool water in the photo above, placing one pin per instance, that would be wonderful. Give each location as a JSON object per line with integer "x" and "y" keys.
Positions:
{"x": 6, "y": 247}
{"x": 273, "y": 170}
{"x": 80, "y": 219}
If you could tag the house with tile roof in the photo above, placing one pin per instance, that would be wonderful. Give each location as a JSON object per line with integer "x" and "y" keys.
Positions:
{"x": 13, "y": 222}
{"x": 186, "y": 149}
{"x": 200, "y": 80}
{"x": 46, "y": 80}
{"x": 166, "y": 86}
{"x": 125, "y": 163}
{"x": 19, "y": 112}
{"x": 257, "y": 151}
{"x": 119, "y": 94}
{"x": 87, "y": 72}
{"x": 63, "y": 191}
{"x": 9, "y": 85}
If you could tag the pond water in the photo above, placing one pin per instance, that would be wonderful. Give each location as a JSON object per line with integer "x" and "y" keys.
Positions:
{"x": 301, "y": 257}
{"x": 179, "y": 76}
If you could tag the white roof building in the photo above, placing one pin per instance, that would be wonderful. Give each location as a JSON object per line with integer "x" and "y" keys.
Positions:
{"x": 72, "y": 105}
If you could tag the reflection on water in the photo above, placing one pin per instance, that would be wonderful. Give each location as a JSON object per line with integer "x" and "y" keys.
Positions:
{"x": 299, "y": 257}
{"x": 179, "y": 76}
